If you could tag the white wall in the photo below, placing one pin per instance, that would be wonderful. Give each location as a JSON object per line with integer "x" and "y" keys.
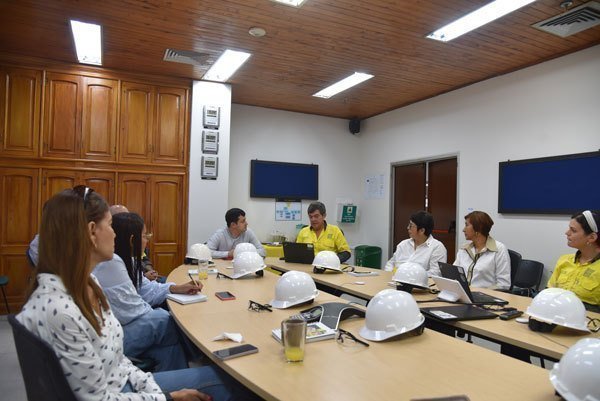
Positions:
{"x": 267, "y": 134}
{"x": 208, "y": 198}
{"x": 545, "y": 110}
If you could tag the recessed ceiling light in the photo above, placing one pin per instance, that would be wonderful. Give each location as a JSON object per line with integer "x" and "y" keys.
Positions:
{"x": 477, "y": 18}
{"x": 257, "y": 32}
{"x": 342, "y": 85}
{"x": 88, "y": 42}
{"x": 293, "y": 3}
{"x": 226, "y": 65}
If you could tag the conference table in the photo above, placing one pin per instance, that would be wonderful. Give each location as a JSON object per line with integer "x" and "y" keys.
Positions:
{"x": 547, "y": 345}
{"x": 416, "y": 367}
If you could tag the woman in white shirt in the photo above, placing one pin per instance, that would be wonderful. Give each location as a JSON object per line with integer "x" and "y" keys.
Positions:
{"x": 485, "y": 260}
{"x": 421, "y": 247}
{"x": 67, "y": 308}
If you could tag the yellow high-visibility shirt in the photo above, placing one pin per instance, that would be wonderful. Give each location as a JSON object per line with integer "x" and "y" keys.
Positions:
{"x": 331, "y": 239}
{"x": 582, "y": 279}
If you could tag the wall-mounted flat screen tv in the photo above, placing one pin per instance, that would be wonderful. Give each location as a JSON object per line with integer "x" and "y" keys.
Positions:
{"x": 280, "y": 180}
{"x": 551, "y": 185}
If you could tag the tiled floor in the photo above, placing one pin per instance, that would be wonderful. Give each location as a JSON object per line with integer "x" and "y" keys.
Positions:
{"x": 11, "y": 382}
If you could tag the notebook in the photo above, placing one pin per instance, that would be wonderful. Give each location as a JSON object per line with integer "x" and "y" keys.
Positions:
{"x": 186, "y": 298}
{"x": 458, "y": 312}
{"x": 296, "y": 252}
{"x": 316, "y": 331}
{"x": 457, "y": 273}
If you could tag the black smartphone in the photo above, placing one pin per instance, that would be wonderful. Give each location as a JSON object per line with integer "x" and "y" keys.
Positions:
{"x": 234, "y": 352}
{"x": 225, "y": 295}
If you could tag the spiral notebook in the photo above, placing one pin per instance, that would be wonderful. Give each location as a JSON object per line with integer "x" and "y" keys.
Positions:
{"x": 186, "y": 298}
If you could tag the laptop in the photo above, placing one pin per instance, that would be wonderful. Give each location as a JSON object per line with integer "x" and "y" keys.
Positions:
{"x": 457, "y": 273}
{"x": 458, "y": 312}
{"x": 296, "y": 252}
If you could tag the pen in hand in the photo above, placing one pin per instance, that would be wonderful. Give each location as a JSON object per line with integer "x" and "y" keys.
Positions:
{"x": 194, "y": 281}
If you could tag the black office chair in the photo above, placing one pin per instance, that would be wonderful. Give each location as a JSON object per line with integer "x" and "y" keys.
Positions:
{"x": 515, "y": 260}
{"x": 528, "y": 278}
{"x": 43, "y": 376}
{"x": 4, "y": 283}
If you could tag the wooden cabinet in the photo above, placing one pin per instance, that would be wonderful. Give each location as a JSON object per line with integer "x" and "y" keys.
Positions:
{"x": 99, "y": 119}
{"x": 20, "y": 97}
{"x": 159, "y": 199}
{"x": 54, "y": 181}
{"x": 18, "y": 208}
{"x": 153, "y": 124}
{"x": 80, "y": 117}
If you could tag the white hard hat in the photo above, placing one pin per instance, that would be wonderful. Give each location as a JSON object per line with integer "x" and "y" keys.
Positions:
{"x": 199, "y": 252}
{"x": 577, "y": 374}
{"x": 413, "y": 274}
{"x": 391, "y": 313}
{"x": 557, "y": 306}
{"x": 327, "y": 260}
{"x": 243, "y": 247}
{"x": 247, "y": 263}
{"x": 294, "y": 288}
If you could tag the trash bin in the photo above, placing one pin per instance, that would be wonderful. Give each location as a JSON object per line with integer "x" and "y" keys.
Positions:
{"x": 368, "y": 256}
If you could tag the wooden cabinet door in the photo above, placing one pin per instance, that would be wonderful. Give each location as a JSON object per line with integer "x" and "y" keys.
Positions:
{"x": 54, "y": 181}
{"x": 169, "y": 136}
{"x": 19, "y": 211}
{"x": 134, "y": 193}
{"x": 102, "y": 182}
{"x": 61, "y": 130}
{"x": 99, "y": 119}
{"x": 137, "y": 115}
{"x": 20, "y": 94}
{"x": 167, "y": 212}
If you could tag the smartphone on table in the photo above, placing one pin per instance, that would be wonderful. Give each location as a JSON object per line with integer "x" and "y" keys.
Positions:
{"x": 225, "y": 295}
{"x": 234, "y": 352}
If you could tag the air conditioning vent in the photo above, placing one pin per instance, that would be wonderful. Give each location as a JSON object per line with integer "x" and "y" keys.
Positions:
{"x": 574, "y": 21}
{"x": 189, "y": 57}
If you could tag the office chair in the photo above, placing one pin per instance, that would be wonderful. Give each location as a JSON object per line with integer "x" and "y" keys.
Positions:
{"x": 43, "y": 376}
{"x": 3, "y": 283}
{"x": 515, "y": 261}
{"x": 528, "y": 278}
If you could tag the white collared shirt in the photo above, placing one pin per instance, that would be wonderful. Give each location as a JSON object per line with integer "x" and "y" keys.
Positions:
{"x": 492, "y": 268}
{"x": 94, "y": 365}
{"x": 428, "y": 254}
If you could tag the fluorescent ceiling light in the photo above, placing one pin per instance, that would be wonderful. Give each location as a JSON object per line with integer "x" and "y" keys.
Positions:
{"x": 293, "y": 3}
{"x": 342, "y": 85}
{"x": 477, "y": 18}
{"x": 88, "y": 42}
{"x": 226, "y": 65}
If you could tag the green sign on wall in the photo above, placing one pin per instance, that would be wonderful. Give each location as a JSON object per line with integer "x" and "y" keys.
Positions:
{"x": 348, "y": 214}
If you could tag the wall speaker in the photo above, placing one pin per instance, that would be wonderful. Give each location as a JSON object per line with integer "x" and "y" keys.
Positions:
{"x": 354, "y": 126}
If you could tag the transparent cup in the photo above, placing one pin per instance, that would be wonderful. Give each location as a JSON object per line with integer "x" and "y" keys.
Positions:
{"x": 293, "y": 336}
{"x": 202, "y": 269}
{"x": 396, "y": 264}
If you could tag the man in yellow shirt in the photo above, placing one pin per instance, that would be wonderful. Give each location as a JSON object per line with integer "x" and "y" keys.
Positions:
{"x": 324, "y": 237}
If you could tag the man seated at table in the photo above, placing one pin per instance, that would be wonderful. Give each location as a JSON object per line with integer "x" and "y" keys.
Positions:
{"x": 223, "y": 242}
{"x": 324, "y": 237}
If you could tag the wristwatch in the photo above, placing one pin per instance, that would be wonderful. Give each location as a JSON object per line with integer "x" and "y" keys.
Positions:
{"x": 168, "y": 396}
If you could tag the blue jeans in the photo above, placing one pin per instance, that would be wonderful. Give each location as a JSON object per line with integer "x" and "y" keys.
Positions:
{"x": 155, "y": 335}
{"x": 207, "y": 379}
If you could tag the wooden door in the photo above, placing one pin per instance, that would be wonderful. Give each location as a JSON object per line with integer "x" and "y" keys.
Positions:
{"x": 54, "y": 181}
{"x": 102, "y": 182}
{"x": 99, "y": 119}
{"x": 137, "y": 115}
{"x": 61, "y": 130}
{"x": 165, "y": 225}
{"x": 134, "y": 193}
{"x": 169, "y": 135}
{"x": 442, "y": 202}
{"x": 19, "y": 211}
{"x": 20, "y": 94}
{"x": 409, "y": 197}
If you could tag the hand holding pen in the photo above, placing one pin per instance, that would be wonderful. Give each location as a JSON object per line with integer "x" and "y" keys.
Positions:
{"x": 193, "y": 287}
